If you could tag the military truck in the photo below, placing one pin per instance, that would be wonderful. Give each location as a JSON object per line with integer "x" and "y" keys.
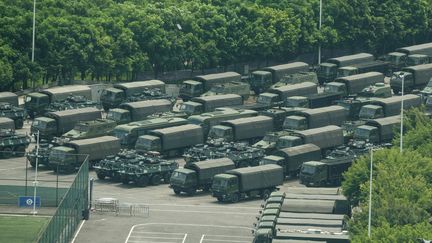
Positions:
{"x": 9, "y": 97}
{"x": 240, "y": 88}
{"x": 90, "y": 129}
{"x": 376, "y": 131}
{"x": 399, "y": 58}
{"x": 37, "y": 102}
{"x": 262, "y": 79}
{"x": 374, "y": 66}
{"x": 354, "y": 84}
{"x": 291, "y": 159}
{"x": 242, "y": 129}
{"x": 313, "y": 101}
{"x": 210, "y": 119}
{"x": 69, "y": 103}
{"x": 415, "y": 77}
{"x": 314, "y": 118}
{"x": 378, "y": 90}
{"x": 170, "y": 141}
{"x": 388, "y": 106}
{"x": 295, "y": 78}
{"x": 111, "y": 165}
{"x": 129, "y": 133}
{"x": 137, "y": 111}
{"x": 198, "y": 175}
{"x": 277, "y": 96}
{"x": 324, "y": 172}
{"x": 327, "y": 71}
{"x": 203, "y": 104}
{"x": 60, "y": 122}
{"x": 71, "y": 155}
{"x": 42, "y": 154}
{"x": 13, "y": 112}
{"x": 7, "y": 123}
{"x": 201, "y": 84}
{"x": 248, "y": 182}
{"x": 279, "y": 114}
{"x": 12, "y": 143}
{"x": 427, "y": 91}
{"x": 118, "y": 94}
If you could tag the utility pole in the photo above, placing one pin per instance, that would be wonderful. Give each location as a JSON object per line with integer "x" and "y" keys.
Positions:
{"x": 320, "y": 20}
{"x": 33, "y": 42}
{"x": 370, "y": 193}
{"x": 35, "y": 182}
{"x": 402, "y": 76}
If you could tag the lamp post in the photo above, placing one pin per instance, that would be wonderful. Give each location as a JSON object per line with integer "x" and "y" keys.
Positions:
{"x": 402, "y": 76}
{"x": 370, "y": 192}
{"x": 35, "y": 182}
{"x": 319, "y": 26}
{"x": 33, "y": 41}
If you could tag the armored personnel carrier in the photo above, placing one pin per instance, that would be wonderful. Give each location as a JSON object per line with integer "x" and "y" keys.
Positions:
{"x": 43, "y": 156}
{"x": 15, "y": 113}
{"x": 111, "y": 165}
{"x": 241, "y": 154}
{"x": 295, "y": 78}
{"x": 71, "y": 102}
{"x": 148, "y": 94}
{"x": 12, "y": 143}
{"x": 90, "y": 129}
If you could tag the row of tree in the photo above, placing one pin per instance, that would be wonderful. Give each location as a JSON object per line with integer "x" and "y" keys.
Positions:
{"x": 401, "y": 191}
{"x": 116, "y": 40}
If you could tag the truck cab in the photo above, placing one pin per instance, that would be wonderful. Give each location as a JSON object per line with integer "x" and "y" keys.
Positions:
{"x": 336, "y": 88}
{"x": 191, "y": 108}
{"x": 327, "y": 72}
{"x": 183, "y": 179}
{"x": 191, "y": 88}
{"x": 272, "y": 159}
{"x": 396, "y": 81}
{"x": 397, "y": 60}
{"x": 268, "y": 143}
{"x": 297, "y": 101}
{"x": 121, "y": 116}
{"x": 289, "y": 141}
{"x": 47, "y": 127}
{"x": 64, "y": 158}
{"x": 220, "y": 132}
{"x": 35, "y": 103}
{"x": 269, "y": 99}
{"x": 371, "y": 112}
{"x": 312, "y": 173}
{"x": 367, "y": 133}
{"x": 112, "y": 97}
{"x": 296, "y": 123}
{"x": 346, "y": 71}
{"x": 224, "y": 185}
{"x": 263, "y": 235}
{"x": 417, "y": 59}
{"x": 260, "y": 81}
{"x": 148, "y": 143}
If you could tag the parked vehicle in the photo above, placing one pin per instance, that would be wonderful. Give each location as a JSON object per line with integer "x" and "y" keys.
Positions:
{"x": 376, "y": 131}
{"x": 242, "y": 129}
{"x": 388, "y": 106}
{"x": 374, "y": 66}
{"x": 12, "y": 143}
{"x": 279, "y": 114}
{"x": 170, "y": 141}
{"x": 277, "y": 96}
{"x": 203, "y": 104}
{"x": 327, "y": 71}
{"x": 13, "y": 112}
{"x": 261, "y": 80}
{"x": 10, "y": 98}
{"x": 71, "y": 155}
{"x": 324, "y": 172}
{"x": 314, "y": 118}
{"x": 37, "y": 102}
{"x": 354, "y": 84}
{"x": 119, "y": 93}
{"x": 313, "y": 101}
{"x": 7, "y": 123}
{"x": 90, "y": 129}
{"x": 296, "y": 78}
{"x": 139, "y": 110}
{"x": 239, "y": 88}
{"x": 248, "y": 182}
{"x": 414, "y": 77}
{"x": 201, "y": 84}
{"x": 198, "y": 175}
{"x": 60, "y": 122}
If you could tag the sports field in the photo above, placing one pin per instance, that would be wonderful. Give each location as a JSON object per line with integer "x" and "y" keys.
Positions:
{"x": 19, "y": 229}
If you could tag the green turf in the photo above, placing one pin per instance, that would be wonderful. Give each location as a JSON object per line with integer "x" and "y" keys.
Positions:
{"x": 19, "y": 229}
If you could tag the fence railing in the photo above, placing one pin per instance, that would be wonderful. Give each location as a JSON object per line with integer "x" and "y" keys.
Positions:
{"x": 70, "y": 211}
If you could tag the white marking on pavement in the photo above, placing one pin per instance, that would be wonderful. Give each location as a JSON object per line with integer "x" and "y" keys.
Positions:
{"x": 228, "y": 241}
{"x": 200, "y": 206}
{"x": 184, "y": 239}
{"x": 79, "y": 229}
{"x": 13, "y": 168}
{"x": 202, "y": 238}
{"x": 155, "y": 237}
{"x": 230, "y": 236}
{"x": 208, "y": 212}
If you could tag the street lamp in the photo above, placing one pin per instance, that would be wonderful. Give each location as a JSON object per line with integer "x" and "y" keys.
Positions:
{"x": 319, "y": 45}
{"x": 33, "y": 41}
{"x": 370, "y": 192}
{"x": 402, "y": 76}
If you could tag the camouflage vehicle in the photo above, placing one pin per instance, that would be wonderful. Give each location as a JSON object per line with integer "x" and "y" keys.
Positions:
{"x": 148, "y": 170}
{"x": 278, "y": 96}
{"x": 7, "y": 123}
{"x": 148, "y": 94}
{"x": 279, "y": 114}
{"x": 137, "y": 111}
{"x": 262, "y": 79}
{"x": 314, "y": 118}
{"x": 43, "y": 155}
{"x": 376, "y": 131}
{"x": 9, "y": 97}
{"x": 71, "y": 102}
{"x": 198, "y": 105}
{"x": 121, "y": 92}
{"x": 90, "y": 129}
{"x": 201, "y": 84}
{"x": 241, "y": 154}
{"x": 295, "y": 78}
{"x": 353, "y": 84}
{"x": 401, "y": 57}
{"x": 427, "y": 91}
{"x": 312, "y": 101}
{"x": 414, "y": 77}
{"x": 168, "y": 114}
{"x": 234, "y": 87}
{"x": 12, "y": 143}
{"x": 389, "y": 106}
{"x": 379, "y": 90}
{"x": 112, "y": 164}
{"x": 15, "y": 113}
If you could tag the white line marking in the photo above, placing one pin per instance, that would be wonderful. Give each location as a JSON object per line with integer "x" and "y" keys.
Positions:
{"x": 202, "y": 238}
{"x": 134, "y": 241}
{"x": 13, "y": 168}
{"x": 159, "y": 233}
{"x": 228, "y": 241}
{"x": 208, "y": 212}
{"x": 150, "y": 237}
{"x": 79, "y": 229}
{"x": 229, "y": 236}
{"x": 200, "y": 206}
{"x": 184, "y": 239}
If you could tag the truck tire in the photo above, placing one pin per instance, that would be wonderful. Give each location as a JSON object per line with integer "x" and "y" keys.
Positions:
{"x": 265, "y": 194}
{"x": 220, "y": 199}
{"x": 20, "y": 151}
{"x": 19, "y": 123}
{"x": 191, "y": 191}
{"x": 396, "y": 91}
{"x": 100, "y": 175}
{"x": 32, "y": 163}
{"x": 235, "y": 198}
{"x": 155, "y": 179}
{"x": 142, "y": 181}
{"x": 6, "y": 153}
{"x": 167, "y": 178}
{"x": 206, "y": 188}
{"x": 125, "y": 181}
{"x": 177, "y": 192}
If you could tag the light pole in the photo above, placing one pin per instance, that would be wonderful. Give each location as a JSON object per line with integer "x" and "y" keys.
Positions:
{"x": 35, "y": 182}
{"x": 370, "y": 193}
{"x": 33, "y": 41}
{"x": 319, "y": 45}
{"x": 402, "y": 76}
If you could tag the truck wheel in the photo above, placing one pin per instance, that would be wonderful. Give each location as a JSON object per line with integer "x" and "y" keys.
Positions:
{"x": 167, "y": 178}
{"x": 155, "y": 179}
{"x": 265, "y": 194}
{"x": 191, "y": 191}
{"x": 177, "y": 192}
{"x": 396, "y": 91}
{"x": 116, "y": 177}
{"x": 206, "y": 188}
{"x": 100, "y": 175}
{"x": 19, "y": 123}
{"x": 125, "y": 181}
{"x": 235, "y": 198}
{"x": 142, "y": 181}
{"x": 220, "y": 199}
{"x": 33, "y": 163}
{"x": 19, "y": 151}
{"x": 6, "y": 153}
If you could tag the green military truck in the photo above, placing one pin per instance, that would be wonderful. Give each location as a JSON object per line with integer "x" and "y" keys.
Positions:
{"x": 240, "y": 88}
{"x": 262, "y": 79}
{"x": 376, "y": 131}
{"x": 291, "y": 159}
{"x": 354, "y": 84}
{"x": 374, "y": 66}
{"x": 129, "y": 133}
{"x": 295, "y": 78}
{"x": 90, "y": 129}
{"x": 404, "y": 56}
{"x": 277, "y": 96}
{"x": 201, "y": 84}
{"x": 198, "y": 105}
{"x": 327, "y": 71}
{"x": 119, "y": 93}
{"x": 414, "y": 77}
{"x": 13, "y": 112}
{"x": 210, "y": 119}
{"x": 313, "y": 101}
{"x": 170, "y": 141}
{"x": 388, "y": 106}
{"x": 279, "y": 114}
{"x": 314, "y": 118}
{"x": 248, "y": 182}
{"x": 7, "y": 123}
{"x": 242, "y": 129}
{"x": 324, "y": 172}
{"x": 10, "y": 98}
{"x": 71, "y": 155}
{"x": 12, "y": 143}
{"x": 60, "y": 122}
{"x": 198, "y": 175}
{"x": 36, "y": 103}
{"x": 138, "y": 110}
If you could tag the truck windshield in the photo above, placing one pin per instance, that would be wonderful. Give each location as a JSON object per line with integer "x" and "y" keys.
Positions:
{"x": 343, "y": 73}
{"x": 291, "y": 123}
{"x": 120, "y": 134}
{"x": 361, "y": 133}
{"x": 307, "y": 169}
{"x": 144, "y": 143}
{"x": 267, "y": 162}
{"x": 39, "y": 124}
{"x": 329, "y": 88}
{"x": 216, "y": 133}
{"x": 367, "y": 113}
{"x": 179, "y": 176}
{"x": 324, "y": 70}
{"x": 187, "y": 108}
{"x": 264, "y": 99}
{"x": 29, "y": 99}
{"x": 296, "y": 103}
{"x": 219, "y": 182}
{"x": 114, "y": 116}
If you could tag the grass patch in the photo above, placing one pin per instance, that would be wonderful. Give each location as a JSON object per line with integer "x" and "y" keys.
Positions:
{"x": 19, "y": 229}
